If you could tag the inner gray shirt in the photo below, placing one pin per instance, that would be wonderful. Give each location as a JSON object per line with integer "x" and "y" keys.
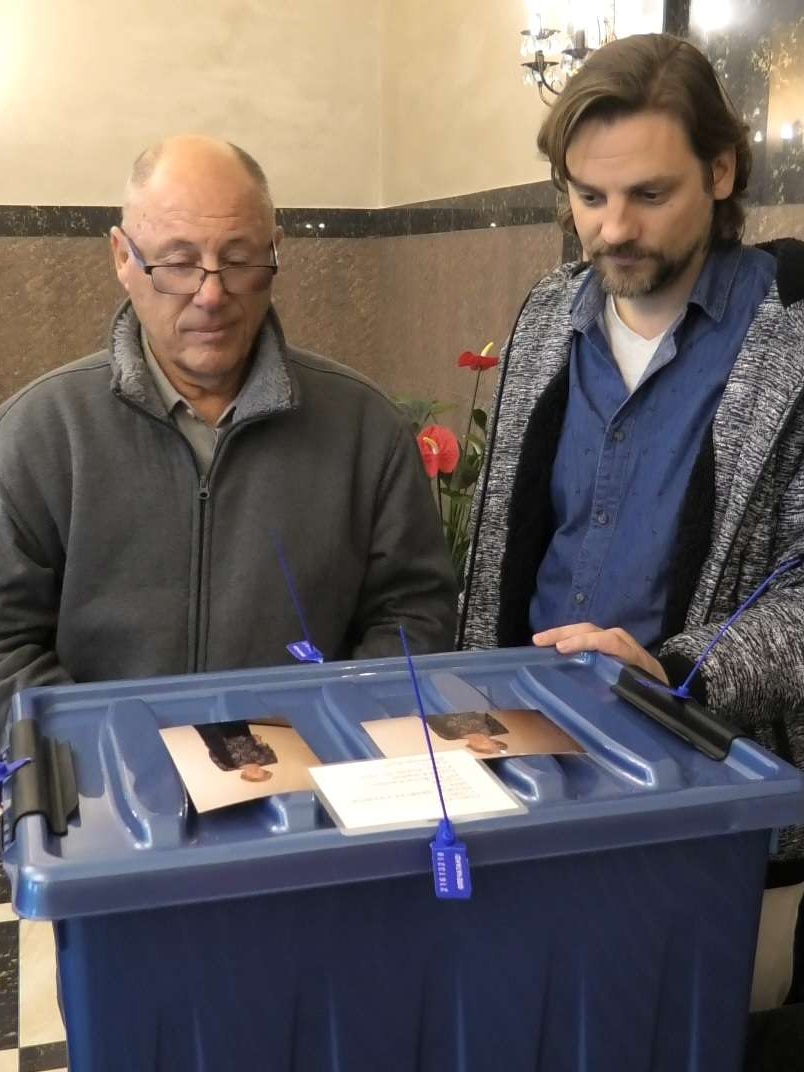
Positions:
{"x": 202, "y": 437}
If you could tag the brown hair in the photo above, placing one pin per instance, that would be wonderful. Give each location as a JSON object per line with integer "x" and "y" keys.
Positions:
{"x": 653, "y": 73}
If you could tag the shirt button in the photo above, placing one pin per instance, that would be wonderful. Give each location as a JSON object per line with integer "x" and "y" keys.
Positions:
{"x": 602, "y": 518}
{"x": 618, "y": 435}
{"x": 580, "y": 597}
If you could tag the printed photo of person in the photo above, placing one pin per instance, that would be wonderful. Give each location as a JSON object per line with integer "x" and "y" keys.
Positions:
{"x": 477, "y": 729}
{"x": 484, "y": 734}
{"x": 225, "y": 763}
{"x": 233, "y": 746}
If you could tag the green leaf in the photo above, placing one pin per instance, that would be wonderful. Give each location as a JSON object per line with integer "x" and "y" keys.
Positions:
{"x": 466, "y": 482}
{"x": 455, "y": 494}
{"x": 465, "y": 474}
{"x": 421, "y": 411}
{"x": 480, "y": 418}
{"x": 416, "y": 411}
{"x": 459, "y": 551}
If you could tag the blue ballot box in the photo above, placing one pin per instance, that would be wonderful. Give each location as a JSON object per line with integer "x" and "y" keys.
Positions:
{"x": 612, "y": 924}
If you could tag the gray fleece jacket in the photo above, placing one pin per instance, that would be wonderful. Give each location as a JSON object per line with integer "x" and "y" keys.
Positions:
{"x": 118, "y": 560}
{"x": 744, "y": 513}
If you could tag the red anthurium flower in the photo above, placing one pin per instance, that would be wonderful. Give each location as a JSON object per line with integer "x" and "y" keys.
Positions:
{"x": 477, "y": 362}
{"x": 439, "y": 449}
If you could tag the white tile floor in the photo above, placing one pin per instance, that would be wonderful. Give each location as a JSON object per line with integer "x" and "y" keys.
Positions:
{"x": 39, "y": 1028}
{"x": 40, "y": 1020}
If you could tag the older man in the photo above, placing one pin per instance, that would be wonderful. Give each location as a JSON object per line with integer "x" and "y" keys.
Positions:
{"x": 141, "y": 487}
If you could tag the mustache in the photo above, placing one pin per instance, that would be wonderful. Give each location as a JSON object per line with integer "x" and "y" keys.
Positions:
{"x": 627, "y": 249}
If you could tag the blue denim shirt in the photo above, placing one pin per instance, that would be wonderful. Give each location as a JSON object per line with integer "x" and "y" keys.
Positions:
{"x": 624, "y": 462}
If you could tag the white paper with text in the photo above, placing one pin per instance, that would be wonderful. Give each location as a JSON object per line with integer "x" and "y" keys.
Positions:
{"x": 381, "y": 794}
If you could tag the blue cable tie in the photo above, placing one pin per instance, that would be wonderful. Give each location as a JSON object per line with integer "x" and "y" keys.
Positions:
{"x": 8, "y": 770}
{"x": 303, "y": 650}
{"x": 449, "y": 856}
{"x": 682, "y": 691}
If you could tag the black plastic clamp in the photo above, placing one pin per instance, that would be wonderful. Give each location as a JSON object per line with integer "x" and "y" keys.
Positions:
{"x": 686, "y": 718}
{"x": 46, "y": 786}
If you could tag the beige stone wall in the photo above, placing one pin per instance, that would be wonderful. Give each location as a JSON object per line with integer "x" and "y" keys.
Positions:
{"x": 400, "y": 310}
{"x": 56, "y": 297}
{"x": 447, "y": 293}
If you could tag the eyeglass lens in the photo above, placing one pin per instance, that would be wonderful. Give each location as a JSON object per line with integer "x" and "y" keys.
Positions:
{"x": 188, "y": 279}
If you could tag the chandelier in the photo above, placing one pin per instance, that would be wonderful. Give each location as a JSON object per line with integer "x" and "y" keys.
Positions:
{"x": 551, "y": 56}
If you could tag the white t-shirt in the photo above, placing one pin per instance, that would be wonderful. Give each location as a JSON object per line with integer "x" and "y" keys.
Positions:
{"x": 631, "y": 352}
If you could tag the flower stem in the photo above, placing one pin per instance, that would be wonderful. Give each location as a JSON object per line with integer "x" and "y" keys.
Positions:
{"x": 471, "y": 412}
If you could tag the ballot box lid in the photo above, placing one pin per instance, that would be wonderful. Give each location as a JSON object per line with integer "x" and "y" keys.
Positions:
{"x": 135, "y": 842}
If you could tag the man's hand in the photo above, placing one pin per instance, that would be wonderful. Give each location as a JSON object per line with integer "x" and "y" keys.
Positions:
{"x": 570, "y": 639}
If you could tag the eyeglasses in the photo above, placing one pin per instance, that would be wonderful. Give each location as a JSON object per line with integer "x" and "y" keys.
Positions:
{"x": 189, "y": 278}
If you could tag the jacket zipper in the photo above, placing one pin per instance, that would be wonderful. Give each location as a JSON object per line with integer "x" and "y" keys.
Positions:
{"x": 204, "y": 492}
{"x": 203, "y": 499}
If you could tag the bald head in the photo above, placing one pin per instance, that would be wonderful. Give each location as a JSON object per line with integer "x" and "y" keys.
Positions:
{"x": 188, "y": 155}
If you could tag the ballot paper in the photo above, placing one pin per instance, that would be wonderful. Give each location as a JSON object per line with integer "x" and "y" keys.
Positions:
{"x": 383, "y": 794}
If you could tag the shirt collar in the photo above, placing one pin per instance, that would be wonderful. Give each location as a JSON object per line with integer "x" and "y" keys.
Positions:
{"x": 713, "y": 286}
{"x": 167, "y": 392}
{"x": 589, "y": 303}
{"x": 710, "y": 293}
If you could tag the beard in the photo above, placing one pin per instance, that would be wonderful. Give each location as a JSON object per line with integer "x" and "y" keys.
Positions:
{"x": 651, "y": 271}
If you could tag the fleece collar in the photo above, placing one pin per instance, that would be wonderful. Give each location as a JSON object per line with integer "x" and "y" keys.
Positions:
{"x": 269, "y": 387}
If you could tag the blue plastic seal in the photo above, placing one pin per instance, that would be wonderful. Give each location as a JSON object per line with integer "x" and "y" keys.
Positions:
{"x": 453, "y": 881}
{"x": 675, "y": 707}
{"x": 682, "y": 691}
{"x": 305, "y": 651}
{"x": 450, "y": 858}
{"x": 7, "y": 770}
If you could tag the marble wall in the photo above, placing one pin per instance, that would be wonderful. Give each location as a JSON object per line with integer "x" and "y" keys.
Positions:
{"x": 757, "y": 48}
{"x": 55, "y": 298}
{"x": 399, "y": 307}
